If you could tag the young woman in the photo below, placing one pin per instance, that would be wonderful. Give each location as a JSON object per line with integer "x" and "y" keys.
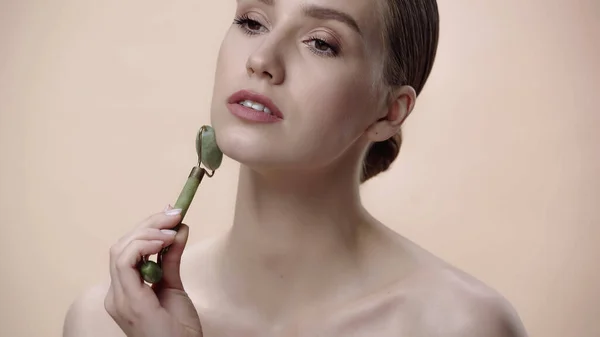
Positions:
{"x": 309, "y": 97}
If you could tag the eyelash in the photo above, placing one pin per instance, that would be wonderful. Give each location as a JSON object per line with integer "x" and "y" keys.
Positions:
{"x": 243, "y": 20}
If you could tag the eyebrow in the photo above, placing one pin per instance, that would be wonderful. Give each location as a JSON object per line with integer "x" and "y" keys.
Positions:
{"x": 324, "y": 13}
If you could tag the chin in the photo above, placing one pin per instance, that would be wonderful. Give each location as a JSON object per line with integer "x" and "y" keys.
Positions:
{"x": 246, "y": 144}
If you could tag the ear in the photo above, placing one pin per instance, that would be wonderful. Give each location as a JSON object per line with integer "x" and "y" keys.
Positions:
{"x": 400, "y": 104}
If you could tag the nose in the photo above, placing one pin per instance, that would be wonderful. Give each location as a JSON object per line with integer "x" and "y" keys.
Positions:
{"x": 266, "y": 63}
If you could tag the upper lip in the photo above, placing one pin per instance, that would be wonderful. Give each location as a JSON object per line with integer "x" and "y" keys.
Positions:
{"x": 243, "y": 95}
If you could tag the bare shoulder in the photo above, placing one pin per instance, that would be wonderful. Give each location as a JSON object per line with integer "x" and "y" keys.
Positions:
{"x": 450, "y": 302}
{"x": 454, "y": 303}
{"x": 425, "y": 296}
{"x": 438, "y": 299}
{"x": 87, "y": 317}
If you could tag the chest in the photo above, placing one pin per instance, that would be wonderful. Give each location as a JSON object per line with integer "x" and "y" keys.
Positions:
{"x": 379, "y": 319}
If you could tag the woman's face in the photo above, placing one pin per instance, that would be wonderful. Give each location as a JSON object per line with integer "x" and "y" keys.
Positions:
{"x": 317, "y": 67}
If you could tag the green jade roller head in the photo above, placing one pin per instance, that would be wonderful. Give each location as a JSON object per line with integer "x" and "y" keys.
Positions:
{"x": 211, "y": 157}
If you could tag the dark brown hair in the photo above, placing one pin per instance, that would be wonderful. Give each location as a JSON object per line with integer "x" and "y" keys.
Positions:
{"x": 410, "y": 37}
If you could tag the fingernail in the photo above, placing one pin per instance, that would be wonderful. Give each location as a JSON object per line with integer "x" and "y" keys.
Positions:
{"x": 168, "y": 207}
{"x": 173, "y": 211}
{"x": 169, "y": 232}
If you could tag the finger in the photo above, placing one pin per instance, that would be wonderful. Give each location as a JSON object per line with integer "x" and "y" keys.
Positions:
{"x": 171, "y": 261}
{"x": 150, "y": 234}
{"x": 114, "y": 252}
{"x": 169, "y": 218}
{"x": 147, "y": 234}
{"x": 162, "y": 220}
{"x": 127, "y": 264}
{"x": 109, "y": 300}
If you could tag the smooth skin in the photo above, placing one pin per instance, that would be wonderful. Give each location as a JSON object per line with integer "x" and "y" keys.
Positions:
{"x": 303, "y": 257}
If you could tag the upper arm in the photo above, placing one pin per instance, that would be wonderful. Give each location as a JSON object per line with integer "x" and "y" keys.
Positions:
{"x": 87, "y": 317}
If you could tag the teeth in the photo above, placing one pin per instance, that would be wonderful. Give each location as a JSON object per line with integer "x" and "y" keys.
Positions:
{"x": 255, "y": 106}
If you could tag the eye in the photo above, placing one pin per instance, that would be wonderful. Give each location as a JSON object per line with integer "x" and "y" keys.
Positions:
{"x": 322, "y": 47}
{"x": 248, "y": 25}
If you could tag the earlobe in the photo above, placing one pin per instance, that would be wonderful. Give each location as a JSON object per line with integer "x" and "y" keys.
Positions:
{"x": 400, "y": 106}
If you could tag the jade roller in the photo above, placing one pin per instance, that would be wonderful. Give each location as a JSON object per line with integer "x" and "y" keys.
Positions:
{"x": 211, "y": 157}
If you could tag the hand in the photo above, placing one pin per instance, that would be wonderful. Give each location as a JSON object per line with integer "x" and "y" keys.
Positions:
{"x": 163, "y": 309}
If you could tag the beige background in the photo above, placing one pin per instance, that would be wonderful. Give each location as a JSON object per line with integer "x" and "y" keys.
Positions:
{"x": 100, "y": 102}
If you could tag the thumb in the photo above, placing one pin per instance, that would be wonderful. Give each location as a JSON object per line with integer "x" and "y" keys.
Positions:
{"x": 171, "y": 261}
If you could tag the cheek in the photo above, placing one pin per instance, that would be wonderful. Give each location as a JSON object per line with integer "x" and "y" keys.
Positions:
{"x": 333, "y": 115}
{"x": 232, "y": 59}
{"x": 229, "y": 61}
{"x": 339, "y": 102}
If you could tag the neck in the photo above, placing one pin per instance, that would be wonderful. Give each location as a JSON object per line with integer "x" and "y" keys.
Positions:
{"x": 282, "y": 216}
{"x": 293, "y": 239}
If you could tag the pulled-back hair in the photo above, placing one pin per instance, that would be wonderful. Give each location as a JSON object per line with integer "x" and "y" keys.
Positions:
{"x": 411, "y": 32}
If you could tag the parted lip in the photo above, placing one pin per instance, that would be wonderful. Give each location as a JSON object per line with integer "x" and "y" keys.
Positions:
{"x": 243, "y": 95}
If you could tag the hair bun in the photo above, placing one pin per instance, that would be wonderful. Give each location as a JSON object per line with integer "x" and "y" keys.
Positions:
{"x": 380, "y": 156}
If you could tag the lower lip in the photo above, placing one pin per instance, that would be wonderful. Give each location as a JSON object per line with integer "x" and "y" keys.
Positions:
{"x": 251, "y": 114}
